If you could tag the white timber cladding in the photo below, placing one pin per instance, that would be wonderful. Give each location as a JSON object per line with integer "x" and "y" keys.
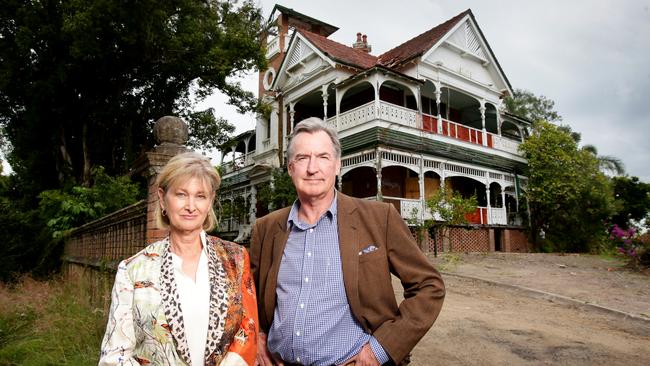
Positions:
{"x": 446, "y": 168}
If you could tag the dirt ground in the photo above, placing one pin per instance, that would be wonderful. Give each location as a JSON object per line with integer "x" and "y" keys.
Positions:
{"x": 487, "y": 324}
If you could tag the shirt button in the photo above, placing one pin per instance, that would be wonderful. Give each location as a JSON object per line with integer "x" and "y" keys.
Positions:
{"x": 297, "y": 359}
{"x": 302, "y": 306}
{"x": 306, "y": 279}
{"x": 309, "y": 254}
{"x": 311, "y": 230}
{"x": 298, "y": 334}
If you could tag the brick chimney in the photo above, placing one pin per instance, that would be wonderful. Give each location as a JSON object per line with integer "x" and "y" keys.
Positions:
{"x": 362, "y": 43}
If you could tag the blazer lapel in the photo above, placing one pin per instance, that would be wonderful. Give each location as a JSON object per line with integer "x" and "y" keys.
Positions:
{"x": 348, "y": 221}
{"x": 279, "y": 242}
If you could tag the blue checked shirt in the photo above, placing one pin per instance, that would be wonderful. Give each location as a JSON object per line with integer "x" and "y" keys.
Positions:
{"x": 313, "y": 323}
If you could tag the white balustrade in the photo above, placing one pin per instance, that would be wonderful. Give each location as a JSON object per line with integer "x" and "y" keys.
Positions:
{"x": 408, "y": 207}
{"x": 498, "y": 216}
{"x": 394, "y": 113}
{"x": 356, "y": 116}
{"x": 273, "y": 47}
{"x": 504, "y": 144}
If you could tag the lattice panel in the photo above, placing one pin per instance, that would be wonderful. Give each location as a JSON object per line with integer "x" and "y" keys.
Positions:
{"x": 463, "y": 240}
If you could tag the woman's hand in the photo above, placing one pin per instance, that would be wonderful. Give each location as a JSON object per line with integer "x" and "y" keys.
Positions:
{"x": 264, "y": 357}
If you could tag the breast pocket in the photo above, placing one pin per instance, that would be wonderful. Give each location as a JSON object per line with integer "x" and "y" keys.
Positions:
{"x": 376, "y": 254}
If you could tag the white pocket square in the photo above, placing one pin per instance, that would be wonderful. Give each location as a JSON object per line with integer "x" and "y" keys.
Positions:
{"x": 369, "y": 249}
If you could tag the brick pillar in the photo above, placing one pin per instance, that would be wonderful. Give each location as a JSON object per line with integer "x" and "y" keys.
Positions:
{"x": 492, "y": 243}
{"x": 507, "y": 245}
{"x": 171, "y": 134}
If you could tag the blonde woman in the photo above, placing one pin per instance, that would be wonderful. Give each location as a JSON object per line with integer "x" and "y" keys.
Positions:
{"x": 187, "y": 299}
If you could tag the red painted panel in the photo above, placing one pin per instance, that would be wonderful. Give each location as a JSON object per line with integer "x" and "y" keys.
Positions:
{"x": 489, "y": 140}
{"x": 429, "y": 123}
{"x": 474, "y": 217}
{"x": 479, "y": 216}
{"x": 463, "y": 133}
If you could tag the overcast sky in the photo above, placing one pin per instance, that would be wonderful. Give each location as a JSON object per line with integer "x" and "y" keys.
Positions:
{"x": 591, "y": 57}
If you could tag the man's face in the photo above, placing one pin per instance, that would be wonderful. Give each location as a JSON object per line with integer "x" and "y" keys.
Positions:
{"x": 314, "y": 165}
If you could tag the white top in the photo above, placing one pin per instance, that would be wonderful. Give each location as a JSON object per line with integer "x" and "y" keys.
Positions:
{"x": 195, "y": 303}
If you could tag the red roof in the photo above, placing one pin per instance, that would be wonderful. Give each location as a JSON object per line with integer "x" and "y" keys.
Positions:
{"x": 414, "y": 47}
{"x": 417, "y": 46}
{"x": 339, "y": 52}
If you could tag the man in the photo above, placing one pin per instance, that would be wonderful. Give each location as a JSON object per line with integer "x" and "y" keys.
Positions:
{"x": 322, "y": 269}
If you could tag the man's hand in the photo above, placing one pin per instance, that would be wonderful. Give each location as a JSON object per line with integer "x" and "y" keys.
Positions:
{"x": 264, "y": 357}
{"x": 365, "y": 357}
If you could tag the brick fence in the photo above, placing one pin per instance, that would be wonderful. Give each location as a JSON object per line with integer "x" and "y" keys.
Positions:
{"x": 477, "y": 239}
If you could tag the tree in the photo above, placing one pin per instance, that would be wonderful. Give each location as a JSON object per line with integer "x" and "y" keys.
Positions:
{"x": 632, "y": 200}
{"x": 445, "y": 209}
{"x": 569, "y": 197}
{"x": 525, "y": 104}
{"x": 280, "y": 193}
{"x": 82, "y": 81}
{"x": 606, "y": 163}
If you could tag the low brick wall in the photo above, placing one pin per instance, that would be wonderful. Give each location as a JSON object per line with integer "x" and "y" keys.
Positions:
{"x": 104, "y": 242}
{"x": 515, "y": 240}
{"x": 476, "y": 239}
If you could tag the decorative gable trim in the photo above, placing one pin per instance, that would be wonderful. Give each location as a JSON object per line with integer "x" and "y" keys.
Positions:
{"x": 299, "y": 51}
{"x": 468, "y": 40}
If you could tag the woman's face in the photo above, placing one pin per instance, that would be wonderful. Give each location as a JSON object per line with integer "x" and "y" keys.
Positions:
{"x": 187, "y": 204}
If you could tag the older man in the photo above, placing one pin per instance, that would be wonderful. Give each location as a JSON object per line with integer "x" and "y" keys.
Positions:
{"x": 322, "y": 269}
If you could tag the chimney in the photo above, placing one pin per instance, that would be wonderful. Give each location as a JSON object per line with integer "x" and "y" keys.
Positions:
{"x": 362, "y": 43}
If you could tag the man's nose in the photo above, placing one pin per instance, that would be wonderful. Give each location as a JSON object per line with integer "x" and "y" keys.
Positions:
{"x": 312, "y": 166}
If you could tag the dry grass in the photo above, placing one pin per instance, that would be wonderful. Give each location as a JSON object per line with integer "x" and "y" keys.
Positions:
{"x": 49, "y": 323}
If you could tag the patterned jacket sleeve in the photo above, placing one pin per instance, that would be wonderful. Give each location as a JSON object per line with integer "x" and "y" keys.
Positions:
{"x": 119, "y": 339}
{"x": 243, "y": 349}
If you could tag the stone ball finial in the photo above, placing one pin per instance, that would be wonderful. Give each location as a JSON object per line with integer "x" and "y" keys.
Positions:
{"x": 171, "y": 129}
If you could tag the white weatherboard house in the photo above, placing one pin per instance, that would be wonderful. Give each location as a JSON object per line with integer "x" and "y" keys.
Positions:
{"x": 425, "y": 115}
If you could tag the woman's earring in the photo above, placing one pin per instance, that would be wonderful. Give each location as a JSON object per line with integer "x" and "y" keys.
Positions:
{"x": 164, "y": 212}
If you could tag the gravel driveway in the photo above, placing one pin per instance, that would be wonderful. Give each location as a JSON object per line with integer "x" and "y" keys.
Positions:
{"x": 483, "y": 323}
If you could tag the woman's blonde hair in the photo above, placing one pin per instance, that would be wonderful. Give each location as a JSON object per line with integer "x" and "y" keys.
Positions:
{"x": 183, "y": 167}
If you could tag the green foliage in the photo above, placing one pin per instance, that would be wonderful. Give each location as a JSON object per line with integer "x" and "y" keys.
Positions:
{"x": 632, "y": 201}
{"x": 31, "y": 237}
{"x": 24, "y": 235}
{"x": 49, "y": 323}
{"x": 66, "y": 209}
{"x": 446, "y": 209}
{"x": 452, "y": 208}
{"x": 569, "y": 197}
{"x": 82, "y": 81}
{"x": 534, "y": 108}
{"x": 281, "y": 193}
{"x": 207, "y": 131}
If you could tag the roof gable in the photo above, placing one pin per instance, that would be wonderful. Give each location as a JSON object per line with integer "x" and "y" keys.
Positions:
{"x": 340, "y": 53}
{"x": 302, "y": 60}
{"x": 418, "y": 45}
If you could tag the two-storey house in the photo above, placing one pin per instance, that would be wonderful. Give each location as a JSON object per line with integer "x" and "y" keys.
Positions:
{"x": 423, "y": 116}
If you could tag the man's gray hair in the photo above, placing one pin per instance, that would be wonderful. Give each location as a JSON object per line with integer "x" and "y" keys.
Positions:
{"x": 313, "y": 125}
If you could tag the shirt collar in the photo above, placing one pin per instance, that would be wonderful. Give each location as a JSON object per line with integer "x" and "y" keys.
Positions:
{"x": 293, "y": 219}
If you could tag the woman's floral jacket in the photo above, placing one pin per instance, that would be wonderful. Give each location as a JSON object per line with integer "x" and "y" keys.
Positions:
{"x": 145, "y": 323}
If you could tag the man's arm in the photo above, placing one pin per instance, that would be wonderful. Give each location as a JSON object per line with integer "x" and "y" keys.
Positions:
{"x": 424, "y": 290}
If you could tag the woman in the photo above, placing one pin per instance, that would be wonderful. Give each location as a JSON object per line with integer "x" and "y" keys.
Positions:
{"x": 189, "y": 298}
